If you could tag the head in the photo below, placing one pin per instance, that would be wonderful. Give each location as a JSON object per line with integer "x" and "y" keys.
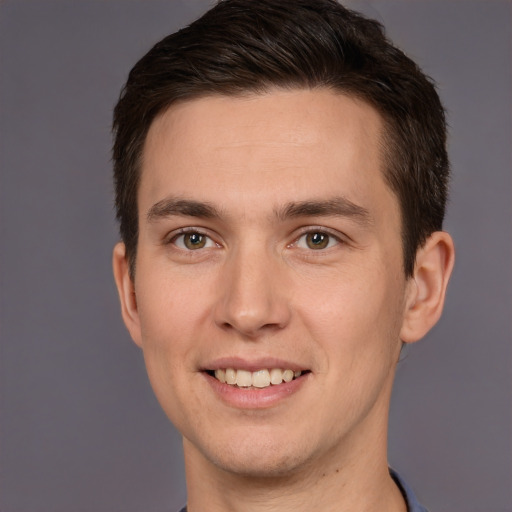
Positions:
{"x": 241, "y": 47}
{"x": 281, "y": 179}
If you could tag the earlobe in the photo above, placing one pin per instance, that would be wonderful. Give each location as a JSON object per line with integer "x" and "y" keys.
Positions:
{"x": 427, "y": 287}
{"x": 126, "y": 290}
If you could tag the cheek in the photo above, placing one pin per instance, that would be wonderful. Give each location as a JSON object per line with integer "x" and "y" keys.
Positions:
{"x": 353, "y": 316}
{"x": 354, "y": 328}
{"x": 165, "y": 314}
{"x": 169, "y": 306}
{"x": 169, "y": 323}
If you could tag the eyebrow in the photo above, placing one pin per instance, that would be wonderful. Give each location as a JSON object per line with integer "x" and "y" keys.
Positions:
{"x": 337, "y": 207}
{"x": 184, "y": 207}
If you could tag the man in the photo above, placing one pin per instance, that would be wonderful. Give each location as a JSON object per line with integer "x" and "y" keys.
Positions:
{"x": 281, "y": 177}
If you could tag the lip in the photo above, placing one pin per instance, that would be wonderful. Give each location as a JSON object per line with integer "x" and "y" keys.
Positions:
{"x": 254, "y": 398}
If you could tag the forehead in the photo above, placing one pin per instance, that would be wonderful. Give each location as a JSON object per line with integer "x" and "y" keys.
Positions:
{"x": 301, "y": 116}
{"x": 305, "y": 141}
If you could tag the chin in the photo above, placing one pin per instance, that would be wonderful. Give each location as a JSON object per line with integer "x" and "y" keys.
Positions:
{"x": 258, "y": 458}
{"x": 261, "y": 467}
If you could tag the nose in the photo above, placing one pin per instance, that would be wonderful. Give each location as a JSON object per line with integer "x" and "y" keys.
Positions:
{"x": 252, "y": 296}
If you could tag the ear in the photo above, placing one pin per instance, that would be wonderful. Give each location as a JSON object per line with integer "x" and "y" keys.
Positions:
{"x": 126, "y": 290}
{"x": 427, "y": 287}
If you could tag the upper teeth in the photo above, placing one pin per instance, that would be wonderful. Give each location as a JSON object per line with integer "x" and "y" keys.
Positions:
{"x": 258, "y": 379}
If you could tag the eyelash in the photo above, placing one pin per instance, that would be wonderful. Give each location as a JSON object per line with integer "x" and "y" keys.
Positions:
{"x": 189, "y": 231}
{"x": 332, "y": 239}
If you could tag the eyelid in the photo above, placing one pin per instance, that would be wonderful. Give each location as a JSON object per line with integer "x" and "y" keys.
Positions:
{"x": 340, "y": 238}
{"x": 171, "y": 237}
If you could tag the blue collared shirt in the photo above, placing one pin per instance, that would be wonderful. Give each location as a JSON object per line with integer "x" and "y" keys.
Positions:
{"x": 410, "y": 499}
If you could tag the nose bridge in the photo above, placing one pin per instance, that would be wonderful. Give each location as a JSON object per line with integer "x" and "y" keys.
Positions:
{"x": 252, "y": 299}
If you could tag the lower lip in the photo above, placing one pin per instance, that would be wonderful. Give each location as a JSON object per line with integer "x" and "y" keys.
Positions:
{"x": 255, "y": 398}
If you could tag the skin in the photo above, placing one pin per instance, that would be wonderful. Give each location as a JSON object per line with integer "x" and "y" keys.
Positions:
{"x": 259, "y": 291}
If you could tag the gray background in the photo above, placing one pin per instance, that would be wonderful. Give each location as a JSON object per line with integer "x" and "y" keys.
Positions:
{"x": 80, "y": 429}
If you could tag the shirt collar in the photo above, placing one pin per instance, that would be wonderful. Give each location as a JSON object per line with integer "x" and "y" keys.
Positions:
{"x": 410, "y": 499}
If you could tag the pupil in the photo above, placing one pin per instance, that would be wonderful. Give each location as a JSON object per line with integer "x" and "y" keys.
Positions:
{"x": 318, "y": 238}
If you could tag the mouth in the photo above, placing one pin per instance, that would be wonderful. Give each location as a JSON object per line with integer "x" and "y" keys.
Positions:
{"x": 259, "y": 379}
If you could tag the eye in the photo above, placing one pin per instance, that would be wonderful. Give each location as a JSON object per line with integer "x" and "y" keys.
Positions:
{"x": 316, "y": 240}
{"x": 192, "y": 241}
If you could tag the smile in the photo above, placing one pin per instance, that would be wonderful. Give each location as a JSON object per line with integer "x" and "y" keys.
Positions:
{"x": 258, "y": 379}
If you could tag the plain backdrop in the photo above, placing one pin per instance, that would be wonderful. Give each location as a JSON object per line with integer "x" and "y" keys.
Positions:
{"x": 80, "y": 430}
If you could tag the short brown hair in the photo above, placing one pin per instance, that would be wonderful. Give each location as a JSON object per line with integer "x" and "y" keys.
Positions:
{"x": 242, "y": 46}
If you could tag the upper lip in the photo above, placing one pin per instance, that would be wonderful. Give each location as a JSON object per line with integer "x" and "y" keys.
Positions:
{"x": 252, "y": 365}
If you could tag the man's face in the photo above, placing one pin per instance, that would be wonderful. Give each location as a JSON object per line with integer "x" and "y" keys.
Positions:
{"x": 269, "y": 242}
